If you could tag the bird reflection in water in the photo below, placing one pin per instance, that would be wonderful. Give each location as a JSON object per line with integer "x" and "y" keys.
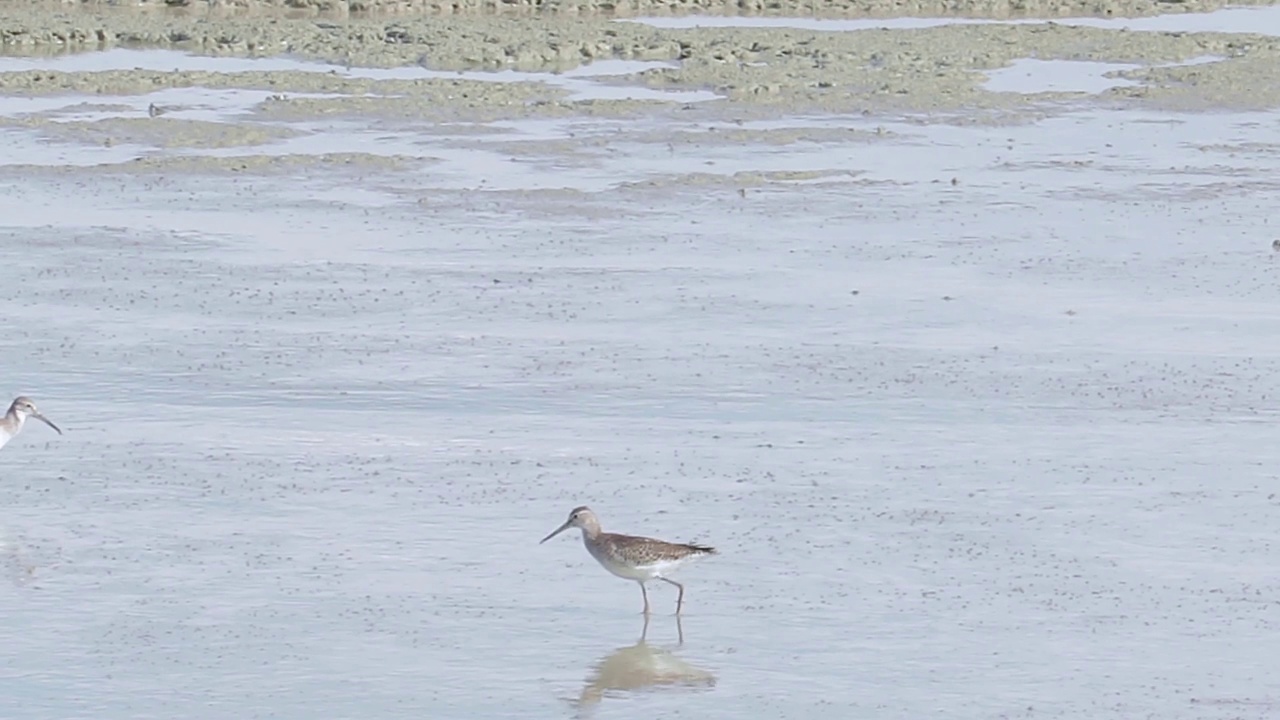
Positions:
{"x": 641, "y": 667}
{"x": 14, "y": 564}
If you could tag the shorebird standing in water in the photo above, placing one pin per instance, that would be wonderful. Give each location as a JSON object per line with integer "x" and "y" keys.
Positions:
{"x": 19, "y": 411}
{"x": 635, "y": 558}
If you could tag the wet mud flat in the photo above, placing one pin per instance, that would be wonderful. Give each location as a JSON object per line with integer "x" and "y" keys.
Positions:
{"x": 770, "y": 65}
{"x": 955, "y": 338}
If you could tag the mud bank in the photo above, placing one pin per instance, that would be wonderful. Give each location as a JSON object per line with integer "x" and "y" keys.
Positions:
{"x": 820, "y": 8}
{"x": 938, "y": 69}
{"x": 714, "y": 72}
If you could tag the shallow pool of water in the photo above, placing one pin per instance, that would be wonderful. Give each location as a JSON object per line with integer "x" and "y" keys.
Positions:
{"x": 980, "y": 419}
{"x": 1258, "y": 20}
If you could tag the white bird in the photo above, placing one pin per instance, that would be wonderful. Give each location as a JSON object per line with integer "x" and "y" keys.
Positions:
{"x": 19, "y": 411}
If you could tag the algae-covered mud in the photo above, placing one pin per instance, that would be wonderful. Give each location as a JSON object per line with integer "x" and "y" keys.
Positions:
{"x": 953, "y": 329}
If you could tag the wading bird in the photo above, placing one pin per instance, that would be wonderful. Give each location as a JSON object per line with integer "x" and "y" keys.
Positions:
{"x": 635, "y": 558}
{"x": 19, "y": 411}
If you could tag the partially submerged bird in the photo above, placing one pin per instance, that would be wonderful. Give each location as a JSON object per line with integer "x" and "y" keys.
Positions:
{"x": 635, "y": 558}
{"x": 19, "y": 411}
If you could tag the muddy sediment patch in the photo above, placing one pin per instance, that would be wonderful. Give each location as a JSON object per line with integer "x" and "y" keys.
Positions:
{"x": 631, "y": 8}
{"x": 418, "y": 71}
{"x": 923, "y": 70}
{"x": 353, "y": 163}
{"x": 156, "y": 132}
{"x": 932, "y": 69}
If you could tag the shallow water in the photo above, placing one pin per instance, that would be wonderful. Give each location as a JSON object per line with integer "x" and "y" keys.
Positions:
{"x": 1263, "y": 20}
{"x": 980, "y": 419}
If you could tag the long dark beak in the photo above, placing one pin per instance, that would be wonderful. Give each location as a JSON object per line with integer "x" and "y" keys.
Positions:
{"x": 46, "y": 421}
{"x": 567, "y": 524}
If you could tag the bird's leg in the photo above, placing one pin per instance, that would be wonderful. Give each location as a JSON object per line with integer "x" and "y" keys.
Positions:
{"x": 680, "y": 598}
{"x": 645, "y": 593}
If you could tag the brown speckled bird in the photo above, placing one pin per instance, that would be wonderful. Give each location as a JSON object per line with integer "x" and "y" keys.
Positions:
{"x": 635, "y": 558}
